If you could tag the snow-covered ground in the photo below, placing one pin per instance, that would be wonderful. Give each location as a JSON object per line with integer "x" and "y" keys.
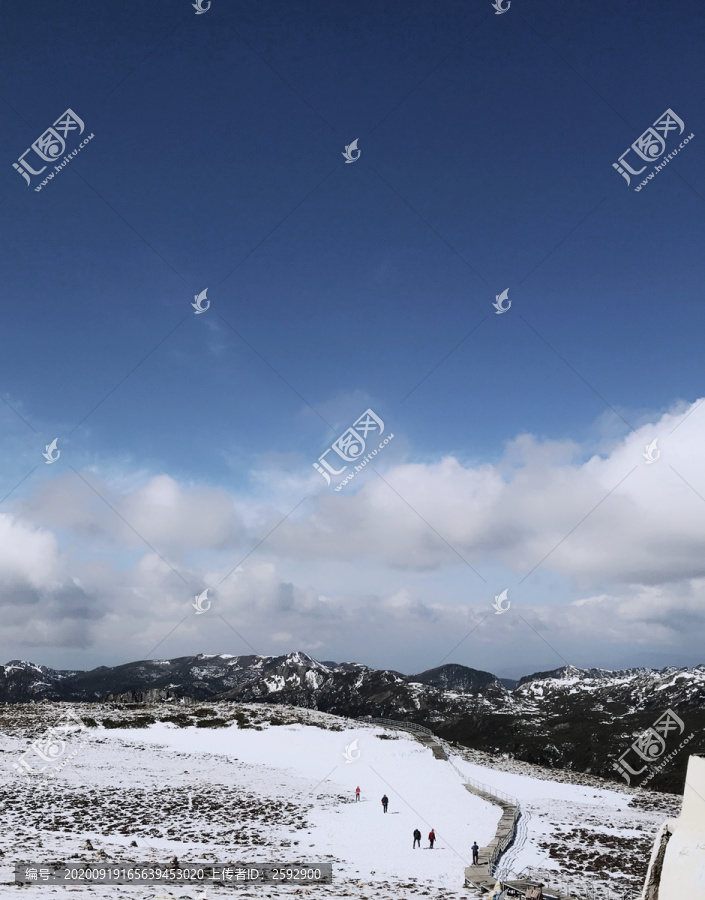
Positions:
{"x": 285, "y": 793}
{"x": 574, "y": 829}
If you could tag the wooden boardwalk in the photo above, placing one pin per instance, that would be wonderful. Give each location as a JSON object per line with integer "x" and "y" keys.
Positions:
{"x": 478, "y": 877}
{"x": 518, "y": 888}
{"x": 431, "y": 743}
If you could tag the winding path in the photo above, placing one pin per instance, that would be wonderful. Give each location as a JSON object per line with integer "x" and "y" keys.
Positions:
{"x": 485, "y": 874}
{"x": 478, "y": 876}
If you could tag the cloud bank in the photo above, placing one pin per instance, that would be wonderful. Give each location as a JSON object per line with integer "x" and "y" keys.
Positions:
{"x": 394, "y": 572}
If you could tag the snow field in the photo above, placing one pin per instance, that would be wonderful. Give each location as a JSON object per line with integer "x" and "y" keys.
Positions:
{"x": 278, "y": 793}
{"x": 574, "y": 820}
{"x": 423, "y": 793}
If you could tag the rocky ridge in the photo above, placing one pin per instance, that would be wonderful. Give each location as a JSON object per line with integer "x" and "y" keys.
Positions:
{"x": 568, "y": 718}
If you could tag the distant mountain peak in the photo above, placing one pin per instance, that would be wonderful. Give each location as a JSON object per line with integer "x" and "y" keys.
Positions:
{"x": 455, "y": 677}
{"x": 543, "y": 719}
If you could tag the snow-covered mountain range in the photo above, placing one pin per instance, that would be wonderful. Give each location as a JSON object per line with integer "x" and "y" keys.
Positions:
{"x": 580, "y": 719}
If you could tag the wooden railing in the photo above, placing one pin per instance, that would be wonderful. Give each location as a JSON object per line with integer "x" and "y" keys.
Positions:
{"x": 395, "y": 723}
{"x": 486, "y": 788}
{"x": 478, "y": 785}
{"x": 492, "y": 865}
{"x": 581, "y": 887}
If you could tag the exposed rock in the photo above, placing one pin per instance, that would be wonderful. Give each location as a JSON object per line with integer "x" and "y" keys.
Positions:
{"x": 568, "y": 718}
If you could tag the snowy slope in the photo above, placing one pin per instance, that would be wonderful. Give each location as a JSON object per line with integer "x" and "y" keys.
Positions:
{"x": 423, "y": 793}
{"x": 276, "y": 787}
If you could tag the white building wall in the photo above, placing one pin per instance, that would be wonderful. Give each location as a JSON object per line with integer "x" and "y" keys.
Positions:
{"x": 682, "y": 875}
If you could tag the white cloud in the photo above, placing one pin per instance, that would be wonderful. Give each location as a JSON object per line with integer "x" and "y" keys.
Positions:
{"x": 613, "y": 517}
{"x": 626, "y": 535}
{"x": 28, "y": 555}
{"x": 159, "y": 511}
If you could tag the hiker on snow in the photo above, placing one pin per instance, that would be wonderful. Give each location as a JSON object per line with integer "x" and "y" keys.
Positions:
{"x": 475, "y": 850}
{"x": 357, "y": 792}
{"x": 417, "y": 838}
{"x": 431, "y": 838}
{"x": 385, "y": 801}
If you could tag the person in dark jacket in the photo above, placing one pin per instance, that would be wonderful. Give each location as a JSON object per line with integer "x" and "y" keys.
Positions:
{"x": 385, "y": 801}
{"x": 417, "y": 838}
{"x": 475, "y": 850}
{"x": 431, "y": 838}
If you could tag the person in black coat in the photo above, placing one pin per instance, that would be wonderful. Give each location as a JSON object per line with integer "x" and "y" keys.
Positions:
{"x": 385, "y": 802}
{"x": 417, "y": 838}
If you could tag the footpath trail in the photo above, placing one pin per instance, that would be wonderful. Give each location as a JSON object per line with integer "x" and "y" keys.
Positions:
{"x": 431, "y": 742}
{"x": 480, "y": 877}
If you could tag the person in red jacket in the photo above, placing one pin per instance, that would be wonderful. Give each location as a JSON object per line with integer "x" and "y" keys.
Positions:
{"x": 431, "y": 838}
{"x": 357, "y": 792}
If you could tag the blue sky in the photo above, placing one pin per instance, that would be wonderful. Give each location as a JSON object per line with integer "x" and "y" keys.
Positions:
{"x": 487, "y": 143}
